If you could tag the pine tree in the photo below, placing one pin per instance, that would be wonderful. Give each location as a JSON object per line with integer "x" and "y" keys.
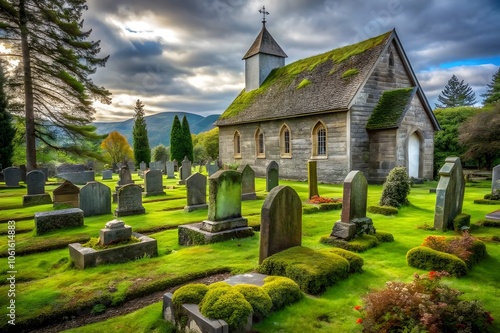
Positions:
{"x": 7, "y": 130}
{"x": 492, "y": 95}
{"x": 187, "y": 140}
{"x": 456, "y": 93}
{"x": 142, "y": 152}
{"x": 176, "y": 144}
{"x": 57, "y": 60}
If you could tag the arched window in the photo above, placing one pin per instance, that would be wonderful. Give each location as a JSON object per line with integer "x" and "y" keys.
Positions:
{"x": 285, "y": 142}
{"x": 237, "y": 145}
{"x": 260, "y": 144}
{"x": 391, "y": 59}
{"x": 319, "y": 140}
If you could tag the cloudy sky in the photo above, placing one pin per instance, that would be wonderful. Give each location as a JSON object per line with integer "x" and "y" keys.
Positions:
{"x": 185, "y": 55}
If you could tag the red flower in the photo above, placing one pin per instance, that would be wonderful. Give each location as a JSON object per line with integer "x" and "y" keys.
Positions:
{"x": 359, "y": 321}
{"x": 357, "y": 307}
{"x": 432, "y": 275}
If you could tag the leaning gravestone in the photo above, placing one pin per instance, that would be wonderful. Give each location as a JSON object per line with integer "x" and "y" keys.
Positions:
{"x": 129, "y": 201}
{"x": 353, "y": 220}
{"x": 248, "y": 183}
{"x": 272, "y": 175}
{"x": 185, "y": 170}
{"x": 12, "y": 176}
{"x": 196, "y": 189}
{"x": 95, "y": 199}
{"x": 35, "y": 181}
{"x": 67, "y": 194}
{"x": 312, "y": 178}
{"x": 280, "y": 221}
{"x": 495, "y": 181}
{"x": 107, "y": 174}
{"x": 449, "y": 194}
{"x": 153, "y": 183}
{"x": 169, "y": 165}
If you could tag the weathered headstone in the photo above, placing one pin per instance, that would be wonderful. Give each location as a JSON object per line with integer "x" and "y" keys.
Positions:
{"x": 495, "y": 180}
{"x": 196, "y": 189}
{"x": 248, "y": 183}
{"x": 153, "y": 183}
{"x": 280, "y": 221}
{"x": 312, "y": 178}
{"x": 353, "y": 220}
{"x": 169, "y": 165}
{"x": 125, "y": 176}
{"x": 185, "y": 170}
{"x": 449, "y": 194}
{"x": 114, "y": 231}
{"x": 67, "y": 194}
{"x": 212, "y": 167}
{"x": 107, "y": 174}
{"x": 95, "y": 199}
{"x": 12, "y": 176}
{"x": 272, "y": 175}
{"x": 22, "y": 167}
{"x": 129, "y": 199}
{"x": 35, "y": 181}
{"x": 142, "y": 166}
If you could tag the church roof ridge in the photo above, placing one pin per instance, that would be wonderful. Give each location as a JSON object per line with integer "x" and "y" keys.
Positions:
{"x": 265, "y": 43}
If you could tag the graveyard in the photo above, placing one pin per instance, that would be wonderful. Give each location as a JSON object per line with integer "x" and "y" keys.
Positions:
{"x": 52, "y": 289}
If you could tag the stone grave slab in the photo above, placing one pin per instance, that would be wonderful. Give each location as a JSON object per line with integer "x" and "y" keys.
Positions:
{"x": 58, "y": 219}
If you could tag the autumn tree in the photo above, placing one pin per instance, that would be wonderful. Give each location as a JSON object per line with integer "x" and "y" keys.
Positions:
{"x": 480, "y": 134}
{"x": 176, "y": 144}
{"x": 492, "y": 94}
{"x": 116, "y": 148}
{"x": 57, "y": 59}
{"x": 160, "y": 153}
{"x": 210, "y": 142}
{"x": 456, "y": 93}
{"x": 7, "y": 130}
{"x": 187, "y": 140}
{"x": 142, "y": 152}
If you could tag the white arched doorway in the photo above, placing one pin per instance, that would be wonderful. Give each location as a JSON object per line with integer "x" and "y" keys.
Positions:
{"x": 413, "y": 155}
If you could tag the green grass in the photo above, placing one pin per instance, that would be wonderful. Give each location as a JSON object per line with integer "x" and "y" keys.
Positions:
{"x": 47, "y": 284}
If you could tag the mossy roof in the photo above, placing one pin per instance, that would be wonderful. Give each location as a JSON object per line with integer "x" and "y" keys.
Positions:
{"x": 390, "y": 109}
{"x": 278, "y": 97}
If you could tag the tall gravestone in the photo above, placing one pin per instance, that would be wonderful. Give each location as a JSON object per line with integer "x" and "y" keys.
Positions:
{"x": 95, "y": 199}
{"x": 280, "y": 221}
{"x": 196, "y": 190}
{"x": 129, "y": 199}
{"x": 312, "y": 178}
{"x": 353, "y": 219}
{"x": 272, "y": 175}
{"x": 36, "y": 195}
{"x": 495, "y": 180}
{"x": 169, "y": 165}
{"x": 449, "y": 194}
{"x": 153, "y": 183}
{"x": 248, "y": 183}
{"x": 12, "y": 176}
{"x": 67, "y": 194}
{"x": 185, "y": 170}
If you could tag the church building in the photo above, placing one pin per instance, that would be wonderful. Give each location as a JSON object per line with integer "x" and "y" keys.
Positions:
{"x": 358, "y": 107}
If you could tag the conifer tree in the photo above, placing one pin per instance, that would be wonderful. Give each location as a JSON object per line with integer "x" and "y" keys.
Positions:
{"x": 56, "y": 59}
{"x": 187, "y": 140}
{"x": 142, "y": 152}
{"x": 176, "y": 142}
{"x": 492, "y": 95}
{"x": 456, "y": 93}
{"x": 7, "y": 130}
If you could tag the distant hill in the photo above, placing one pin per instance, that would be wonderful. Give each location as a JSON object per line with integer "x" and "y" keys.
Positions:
{"x": 159, "y": 126}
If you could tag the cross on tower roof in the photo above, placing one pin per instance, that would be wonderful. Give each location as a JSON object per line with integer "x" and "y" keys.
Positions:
{"x": 264, "y": 13}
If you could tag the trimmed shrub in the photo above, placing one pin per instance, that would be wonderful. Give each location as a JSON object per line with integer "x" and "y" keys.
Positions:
{"x": 330, "y": 206}
{"x": 282, "y": 290}
{"x": 486, "y": 202}
{"x": 461, "y": 222}
{"x": 259, "y": 300}
{"x": 396, "y": 188}
{"x": 220, "y": 284}
{"x": 467, "y": 248}
{"x": 489, "y": 223}
{"x": 355, "y": 261}
{"x": 383, "y": 210}
{"x": 478, "y": 252}
{"x": 428, "y": 259}
{"x": 310, "y": 210}
{"x": 384, "y": 237}
{"x": 358, "y": 244}
{"x": 190, "y": 293}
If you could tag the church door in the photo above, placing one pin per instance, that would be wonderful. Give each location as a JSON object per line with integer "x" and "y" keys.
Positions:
{"x": 413, "y": 155}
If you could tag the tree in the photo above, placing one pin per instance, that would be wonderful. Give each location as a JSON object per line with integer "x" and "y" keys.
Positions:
{"x": 117, "y": 148}
{"x": 176, "y": 145}
{"x": 7, "y": 130}
{"x": 142, "y": 152}
{"x": 456, "y": 93}
{"x": 57, "y": 60}
{"x": 492, "y": 95}
{"x": 211, "y": 143}
{"x": 199, "y": 153}
{"x": 187, "y": 140}
{"x": 160, "y": 153}
{"x": 481, "y": 135}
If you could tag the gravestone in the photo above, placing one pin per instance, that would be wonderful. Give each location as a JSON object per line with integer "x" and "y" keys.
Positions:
{"x": 45, "y": 171}
{"x": 280, "y": 221}
{"x": 125, "y": 176}
{"x": 95, "y": 199}
{"x": 495, "y": 216}
{"x": 353, "y": 220}
{"x": 67, "y": 194}
{"x": 185, "y": 170}
{"x": 12, "y": 176}
{"x": 312, "y": 178}
{"x": 142, "y": 166}
{"x": 196, "y": 189}
{"x": 131, "y": 166}
{"x": 114, "y": 231}
{"x": 495, "y": 180}
{"x": 449, "y": 194}
{"x": 248, "y": 183}
{"x": 58, "y": 219}
{"x": 129, "y": 199}
{"x": 224, "y": 213}
{"x": 107, "y": 174}
{"x": 211, "y": 167}
{"x": 22, "y": 167}
{"x": 63, "y": 168}
{"x": 169, "y": 165}
{"x": 79, "y": 178}
{"x": 153, "y": 183}
{"x": 35, "y": 181}
{"x": 272, "y": 175}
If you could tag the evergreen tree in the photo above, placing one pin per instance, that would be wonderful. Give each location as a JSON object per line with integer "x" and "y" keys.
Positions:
{"x": 492, "y": 95}
{"x": 57, "y": 60}
{"x": 456, "y": 93}
{"x": 176, "y": 143}
{"x": 160, "y": 153}
{"x": 7, "y": 130}
{"x": 142, "y": 152}
{"x": 187, "y": 140}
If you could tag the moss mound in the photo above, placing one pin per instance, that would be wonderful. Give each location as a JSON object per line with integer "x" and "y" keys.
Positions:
{"x": 282, "y": 291}
{"x": 355, "y": 261}
{"x": 259, "y": 299}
